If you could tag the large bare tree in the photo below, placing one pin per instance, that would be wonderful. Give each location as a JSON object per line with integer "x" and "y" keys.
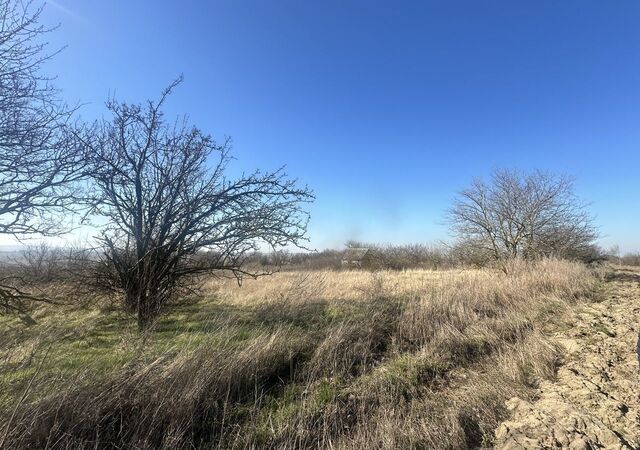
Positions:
{"x": 38, "y": 158}
{"x": 525, "y": 215}
{"x": 172, "y": 214}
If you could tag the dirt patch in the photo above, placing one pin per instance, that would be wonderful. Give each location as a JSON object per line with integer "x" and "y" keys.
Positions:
{"x": 595, "y": 400}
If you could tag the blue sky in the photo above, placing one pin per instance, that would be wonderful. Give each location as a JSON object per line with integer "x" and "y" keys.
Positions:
{"x": 385, "y": 109}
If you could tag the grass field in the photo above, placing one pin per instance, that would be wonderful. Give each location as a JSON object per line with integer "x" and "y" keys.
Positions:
{"x": 412, "y": 359}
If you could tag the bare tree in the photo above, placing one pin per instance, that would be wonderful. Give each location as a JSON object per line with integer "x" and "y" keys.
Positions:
{"x": 523, "y": 215}
{"x": 172, "y": 213}
{"x": 38, "y": 158}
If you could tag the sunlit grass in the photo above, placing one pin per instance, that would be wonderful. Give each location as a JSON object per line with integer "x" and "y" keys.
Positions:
{"x": 314, "y": 358}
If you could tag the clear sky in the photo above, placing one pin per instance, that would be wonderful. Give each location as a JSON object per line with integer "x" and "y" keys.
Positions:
{"x": 385, "y": 109}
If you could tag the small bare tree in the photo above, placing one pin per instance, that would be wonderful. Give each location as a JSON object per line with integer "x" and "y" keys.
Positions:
{"x": 172, "y": 213}
{"x": 38, "y": 158}
{"x": 522, "y": 215}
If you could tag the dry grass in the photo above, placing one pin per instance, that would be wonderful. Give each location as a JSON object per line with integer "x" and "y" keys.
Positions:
{"x": 415, "y": 359}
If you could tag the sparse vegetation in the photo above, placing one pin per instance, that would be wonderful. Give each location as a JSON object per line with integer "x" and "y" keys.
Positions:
{"x": 345, "y": 359}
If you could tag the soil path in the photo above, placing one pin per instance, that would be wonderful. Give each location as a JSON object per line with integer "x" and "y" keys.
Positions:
{"x": 595, "y": 400}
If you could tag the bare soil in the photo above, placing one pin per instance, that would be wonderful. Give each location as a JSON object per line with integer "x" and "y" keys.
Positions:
{"x": 594, "y": 402}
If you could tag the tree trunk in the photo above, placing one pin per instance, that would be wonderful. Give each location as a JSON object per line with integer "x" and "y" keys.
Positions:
{"x": 145, "y": 314}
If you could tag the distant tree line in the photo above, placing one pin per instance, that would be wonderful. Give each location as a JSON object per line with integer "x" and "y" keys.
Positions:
{"x": 410, "y": 256}
{"x": 629, "y": 259}
{"x": 383, "y": 257}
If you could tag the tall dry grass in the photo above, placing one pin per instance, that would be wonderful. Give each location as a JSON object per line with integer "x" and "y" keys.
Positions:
{"x": 351, "y": 360}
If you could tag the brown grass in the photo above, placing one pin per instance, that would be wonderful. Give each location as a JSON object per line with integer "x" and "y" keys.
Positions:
{"x": 414, "y": 359}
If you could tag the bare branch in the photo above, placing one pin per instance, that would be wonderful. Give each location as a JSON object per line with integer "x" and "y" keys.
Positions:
{"x": 39, "y": 159}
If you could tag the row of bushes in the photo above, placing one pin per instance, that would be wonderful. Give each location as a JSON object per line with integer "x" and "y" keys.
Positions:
{"x": 393, "y": 257}
{"x": 400, "y": 257}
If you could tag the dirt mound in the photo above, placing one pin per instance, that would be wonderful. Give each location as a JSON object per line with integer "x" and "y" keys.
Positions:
{"x": 595, "y": 400}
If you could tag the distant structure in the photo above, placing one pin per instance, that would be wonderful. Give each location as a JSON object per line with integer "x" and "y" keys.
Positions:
{"x": 358, "y": 258}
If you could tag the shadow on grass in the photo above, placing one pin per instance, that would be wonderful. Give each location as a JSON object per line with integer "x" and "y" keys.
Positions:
{"x": 624, "y": 275}
{"x": 205, "y": 317}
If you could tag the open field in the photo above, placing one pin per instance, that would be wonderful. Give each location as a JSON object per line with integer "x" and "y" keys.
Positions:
{"x": 332, "y": 359}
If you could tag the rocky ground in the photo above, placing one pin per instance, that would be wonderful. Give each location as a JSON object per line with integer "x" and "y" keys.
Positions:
{"x": 595, "y": 400}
